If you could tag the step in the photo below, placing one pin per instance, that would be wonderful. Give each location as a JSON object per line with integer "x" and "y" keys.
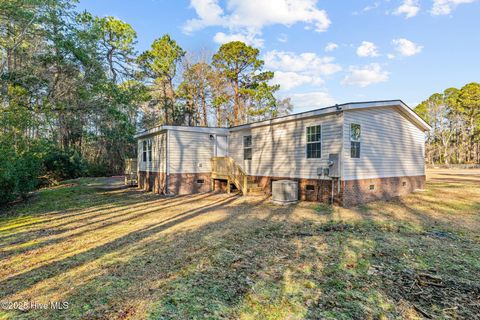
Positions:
{"x": 254, "y": 189}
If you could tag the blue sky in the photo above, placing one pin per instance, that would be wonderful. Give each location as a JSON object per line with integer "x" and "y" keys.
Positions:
{"x": 327, "y": 51}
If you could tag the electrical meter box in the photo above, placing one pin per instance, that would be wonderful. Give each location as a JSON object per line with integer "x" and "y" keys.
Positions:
{"x": 334, "y": 165}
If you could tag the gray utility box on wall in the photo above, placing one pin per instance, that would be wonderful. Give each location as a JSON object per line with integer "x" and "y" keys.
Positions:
{"x": 284, "y": 191}
{"x": 334, "y": 165}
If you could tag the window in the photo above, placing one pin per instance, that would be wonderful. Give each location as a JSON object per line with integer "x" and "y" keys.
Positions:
{"x": 149, "y": 146}
{"x": 147, "y": 150}
{"x": 144, "y": 150}
{"x": 355, "y": 132}
{"x": 314, "y": 142}
{"x": 310, "y": 187}
{"x": 247, "y": 147}
{"x": 200, "y": 181}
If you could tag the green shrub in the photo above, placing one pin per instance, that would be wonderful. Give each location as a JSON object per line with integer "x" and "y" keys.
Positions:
{"x": 98, "y": 170}
{"x": 19, "y": 173}
{"x": 60, "y": 165}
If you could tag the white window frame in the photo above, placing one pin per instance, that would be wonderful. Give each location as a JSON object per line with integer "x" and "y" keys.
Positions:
{"x": 359, "y": 140}
{"x": 251, "y": 147}
{"x": 149, "y": 150}
{"x": 307, "y": 143}
{"x": 144, "y": 151}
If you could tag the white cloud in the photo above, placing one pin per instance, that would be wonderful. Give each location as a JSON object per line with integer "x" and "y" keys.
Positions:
{"x": 311, "y": 100}
{"x": 409, "y": 8}
{"x": 282, "y": 37}
{"x": 331, "y": 46}
{"x": 391, "y": 56}
{"x": 367, "y": 49}
{"x": 249, "y": 39}
{"x": 371, "y": 7}
{"x": 209, "y": 12}
{"x": 307, "y": 62}
{"x": 293, "y": 70}
{"x": 289, "y": 80}
{"x": 443, "y": 7}
{"x": 249, "y": 17}
{"x": 366, "y": 75}
{"x": 406, "y": 47}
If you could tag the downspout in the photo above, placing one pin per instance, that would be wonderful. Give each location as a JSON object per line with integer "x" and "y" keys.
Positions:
{"x": 341, "y": 157}
{"x": 167, "y": 162}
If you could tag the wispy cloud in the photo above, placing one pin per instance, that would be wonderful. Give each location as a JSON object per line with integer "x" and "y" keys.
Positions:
{"x": 331, "y": 46}
{"x": 406, "y": 47}
{"x": 367, "y": 49}
{"x": 409, "y": 8}
{"x": 247, "y": 18}
{"x": 365, "y": 75}
{"x": 443, "y": 7}
{"x": 293, "y": 70}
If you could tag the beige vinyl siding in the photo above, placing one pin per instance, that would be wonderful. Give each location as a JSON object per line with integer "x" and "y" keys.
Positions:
{"x": 158, "y": 163}
{"x": 279, "y": 150}
{"x": 391, "y": 145}
{"x": 190, "y": 152}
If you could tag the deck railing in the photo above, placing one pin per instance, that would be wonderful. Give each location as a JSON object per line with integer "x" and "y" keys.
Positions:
{"x": 227, "y": 168}
{"x": 131, "y": 178}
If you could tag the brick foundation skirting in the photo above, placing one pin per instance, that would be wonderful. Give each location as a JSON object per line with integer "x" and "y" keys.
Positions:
{"x": 351, "y": 192}
{"x": 152, "y": 181}
{"x": 308, "y": 189}
{"x": 178, "y": 183}
{"x": 188, "y": 183}
{"x": 365, "y": 190}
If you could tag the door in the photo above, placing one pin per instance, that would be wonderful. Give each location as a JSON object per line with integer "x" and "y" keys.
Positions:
{"x": 222, "y": 146}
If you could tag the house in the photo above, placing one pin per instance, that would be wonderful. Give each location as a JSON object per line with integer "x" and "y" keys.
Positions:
{"x": 349, "y": 153}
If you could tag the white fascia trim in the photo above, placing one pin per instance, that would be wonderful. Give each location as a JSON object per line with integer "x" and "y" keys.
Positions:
{"x": 222, "y": 131}
{"x": 396, "y": 103}
{"x": 339, "y": 108}
{"x": 304, "y": 115}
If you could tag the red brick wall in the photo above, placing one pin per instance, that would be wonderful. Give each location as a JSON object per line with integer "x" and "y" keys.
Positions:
{"x": 186, "y": 183}
{"x": 351, "y": 192}
{"x": 322, "y": 188}
{"x": 151, "y": 181}
{"x": 359, "y": 191}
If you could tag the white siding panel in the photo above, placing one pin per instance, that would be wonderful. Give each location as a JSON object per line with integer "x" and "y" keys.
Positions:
{"x": 190, "y": 152}
{"x": 280, "y": 150}
{"x": 391, "y": 145}
{"x": 158, "y": 163}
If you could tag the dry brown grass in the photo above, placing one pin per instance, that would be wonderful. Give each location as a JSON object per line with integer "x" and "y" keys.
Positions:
{"x": 128, "y": 254}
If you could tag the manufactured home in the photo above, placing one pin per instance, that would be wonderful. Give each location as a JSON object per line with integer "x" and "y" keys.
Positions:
{"x": 349, "y": 154}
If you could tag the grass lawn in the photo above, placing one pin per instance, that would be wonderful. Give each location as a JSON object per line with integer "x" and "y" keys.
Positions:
{"x": 126, "y": 254}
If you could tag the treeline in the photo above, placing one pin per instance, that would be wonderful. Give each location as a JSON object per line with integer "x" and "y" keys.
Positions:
{"x": 455, "y": 119}
{"x": 74, "y": 91}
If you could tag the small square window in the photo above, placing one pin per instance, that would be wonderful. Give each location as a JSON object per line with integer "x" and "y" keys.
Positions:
{"x": 372, "y": 187}
{"x": 404, "y": 183}
{"x": 310, "y": 187}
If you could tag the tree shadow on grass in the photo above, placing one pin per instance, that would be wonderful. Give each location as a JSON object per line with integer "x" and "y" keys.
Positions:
{"x": 126, "y": 212}
{"x": 26, "y": 279}
{"x": 229, "y": 259}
